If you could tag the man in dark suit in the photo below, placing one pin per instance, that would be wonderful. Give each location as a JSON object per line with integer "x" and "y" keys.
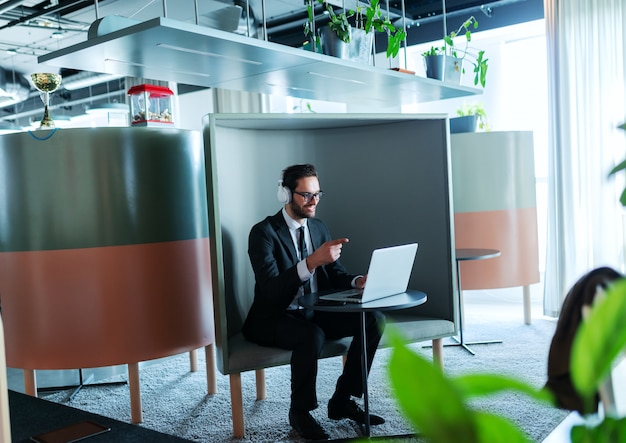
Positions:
{"x": 284, "y": 269}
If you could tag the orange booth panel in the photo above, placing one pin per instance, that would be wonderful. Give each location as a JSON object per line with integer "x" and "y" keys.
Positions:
{"x": 105, "y": 306}
{"x": 495, "y": 207}
{"x": 514, "y": 233}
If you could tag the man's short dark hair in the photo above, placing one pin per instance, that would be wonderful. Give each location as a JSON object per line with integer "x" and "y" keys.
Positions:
{"x": 293, "y": 173}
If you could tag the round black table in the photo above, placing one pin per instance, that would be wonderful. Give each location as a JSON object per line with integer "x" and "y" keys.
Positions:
{"x": 465, "y": 254}
{"x": 404, "y": 300}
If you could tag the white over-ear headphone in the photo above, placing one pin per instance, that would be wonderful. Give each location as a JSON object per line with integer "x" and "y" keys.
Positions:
{"x": 284, "y": 193}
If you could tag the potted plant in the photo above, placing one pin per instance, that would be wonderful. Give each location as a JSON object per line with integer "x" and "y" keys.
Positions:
{"x": 471, "y": 117}
{"x": 341, "y": 39}
{"x": 446, "y": 62}
{"x": 375, "y": 19}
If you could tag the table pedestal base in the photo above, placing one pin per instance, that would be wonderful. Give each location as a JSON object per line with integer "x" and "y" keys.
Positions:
{"x": 464, "y": 345}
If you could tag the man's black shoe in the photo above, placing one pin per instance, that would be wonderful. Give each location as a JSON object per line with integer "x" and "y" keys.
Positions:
{"x": 349, "y": 409}
{"x": 306, "y": 425}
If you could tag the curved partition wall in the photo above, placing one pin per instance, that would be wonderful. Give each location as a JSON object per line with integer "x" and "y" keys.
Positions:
{"x": 493, "y": 176}
{"x": 104, "y": 254}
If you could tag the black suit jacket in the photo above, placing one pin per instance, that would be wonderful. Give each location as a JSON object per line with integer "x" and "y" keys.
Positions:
{"x": 274, "y": 258}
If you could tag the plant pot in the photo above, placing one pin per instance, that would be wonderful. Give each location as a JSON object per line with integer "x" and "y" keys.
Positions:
{"x": 444, "y": 67}
{"x": 359, "y": 49}
{"x": 466, "y": 123}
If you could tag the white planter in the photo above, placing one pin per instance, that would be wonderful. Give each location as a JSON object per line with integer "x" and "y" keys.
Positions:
{"x": 359, "y": 49}
{"x": 444, "y": 67}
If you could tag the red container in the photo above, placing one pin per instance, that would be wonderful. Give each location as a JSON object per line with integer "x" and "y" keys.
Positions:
{"x": 151, "y": 105}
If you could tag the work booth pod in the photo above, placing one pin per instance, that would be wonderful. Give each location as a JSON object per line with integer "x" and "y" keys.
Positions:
{"x": 386, "y": 181}
{"x": 104, "y": 251}
{"x": 495, "y": 206}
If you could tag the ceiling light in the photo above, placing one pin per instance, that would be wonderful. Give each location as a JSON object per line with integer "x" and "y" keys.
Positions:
{"x": 106, "y": 108}
{"x": 58, "y": 34}
{"x": 85, "y": 79}
{"x": 209, "y": 54}
{"x": 143, "y": 65}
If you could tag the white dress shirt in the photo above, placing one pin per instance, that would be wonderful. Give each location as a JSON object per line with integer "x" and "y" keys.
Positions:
{"x": 303, "y": 270}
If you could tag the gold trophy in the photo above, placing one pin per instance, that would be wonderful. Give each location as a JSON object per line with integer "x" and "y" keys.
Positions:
{"x": 46, "y": 84}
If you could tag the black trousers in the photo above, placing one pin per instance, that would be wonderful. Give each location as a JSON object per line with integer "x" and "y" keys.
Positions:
{"x": 305, "y": 337}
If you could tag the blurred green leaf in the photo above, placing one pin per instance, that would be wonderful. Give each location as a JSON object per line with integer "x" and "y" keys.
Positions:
{"x": 599, "y": 340}
{"x": 618, "y": 168}
{"x": 622, "y": 198}
{"x": 610, "y": 430}
{"x": 495, "y": 429}
{"x": 475, "y": 385}
{"x": 431, "y": 402}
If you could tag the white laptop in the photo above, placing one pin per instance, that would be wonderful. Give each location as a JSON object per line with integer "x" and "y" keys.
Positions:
{"x": 388, "y": 274}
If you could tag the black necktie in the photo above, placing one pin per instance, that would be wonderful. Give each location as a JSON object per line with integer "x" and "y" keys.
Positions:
{"x": 302, "y": 244}
{"x": 303, "y": 254}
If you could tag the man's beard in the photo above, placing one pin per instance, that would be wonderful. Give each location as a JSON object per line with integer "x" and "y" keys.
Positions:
{"x": 299, "y": 213}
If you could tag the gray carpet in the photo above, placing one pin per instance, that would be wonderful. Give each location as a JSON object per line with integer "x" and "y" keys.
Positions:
{"x": 175, "y": 401}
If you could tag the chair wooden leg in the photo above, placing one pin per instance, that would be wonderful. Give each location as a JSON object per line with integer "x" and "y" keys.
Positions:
{"x": 344, "y": 359}
{"x": 193, "y": 360}
{"x": 438, "y": 352}
{"x": 236, "y": 401}
{"x": 210, "y": 369}
{"x": 135, "y": 393}
{"x": 5, "y": 422}
{"x": 30, "y": 382}
{"x": 261, "y": 391}
{"x": 527, "y": 319}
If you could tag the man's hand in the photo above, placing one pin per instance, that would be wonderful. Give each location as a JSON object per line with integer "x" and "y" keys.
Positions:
{"x": 329, "y": 252}
{"x": 360, "y": 282}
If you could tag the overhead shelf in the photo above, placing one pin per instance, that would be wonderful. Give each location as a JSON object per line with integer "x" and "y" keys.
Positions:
{"x": 170, "y": 50}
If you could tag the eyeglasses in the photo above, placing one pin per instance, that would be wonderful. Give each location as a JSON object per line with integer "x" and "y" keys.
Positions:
{"x": 307, "y": 196}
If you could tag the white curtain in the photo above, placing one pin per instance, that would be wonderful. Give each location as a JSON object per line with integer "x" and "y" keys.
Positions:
{"x": 229, "y": 101}
{"x": 586, "y": 65}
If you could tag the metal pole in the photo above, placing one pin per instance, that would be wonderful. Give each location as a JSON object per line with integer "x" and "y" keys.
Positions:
{"x": 445, "y": 24}
{"x": 313, "y": 27}
{"x": 195, "y": 6}
{"x": 364, "y": 374}
{"x": 248, "y": 18}
{"x": 264, "y": 23}
{"x": 445, "y": 55}
{"x": 406, "y": 34}
{"x": 95, "y": 3}
{"x": 164, "y": 8}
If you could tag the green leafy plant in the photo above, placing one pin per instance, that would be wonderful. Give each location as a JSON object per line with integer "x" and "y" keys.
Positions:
{"x": 600, "y": 339}
{"x": 377, "y": 20}
{"x": 440, "y": 409}
{"x": 473, "y": 56}
{"x": 338, "y": 22}
{"x": 434, "y": 50}
{"x": 369, "y": 18}
{"x": 478, "y": 110}
{"x": 618, "y": 168}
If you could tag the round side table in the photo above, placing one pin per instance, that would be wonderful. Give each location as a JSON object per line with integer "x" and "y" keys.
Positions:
{"x": 466, "y": 254}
